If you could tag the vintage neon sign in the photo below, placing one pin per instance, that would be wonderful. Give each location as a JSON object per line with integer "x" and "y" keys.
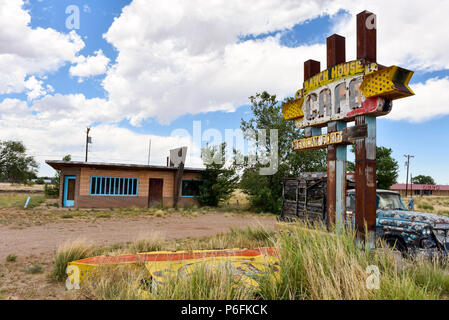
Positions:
{"x": 347, "y": 90}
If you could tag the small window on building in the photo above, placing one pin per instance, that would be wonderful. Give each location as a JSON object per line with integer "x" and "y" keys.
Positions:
{"x": 190, "y": 188}
{"x": 417, "y": 192}
{"x": 113, "y": 186}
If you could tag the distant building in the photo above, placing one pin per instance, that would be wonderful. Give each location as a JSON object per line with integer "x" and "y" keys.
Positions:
{"x": 107, "y": 185}
{"x": 422, "y": 189}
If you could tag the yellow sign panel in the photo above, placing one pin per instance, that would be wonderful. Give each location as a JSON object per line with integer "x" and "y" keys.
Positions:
{"x": 245, "y": 264}
{"x": 318, "y": 142}
{"x": 390, "y": 83}
{"x": 244, "y": 268}
{"x": 293, "y": 110}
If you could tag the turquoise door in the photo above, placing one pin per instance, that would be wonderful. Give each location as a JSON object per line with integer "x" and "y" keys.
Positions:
{"x": 69, "y": 191}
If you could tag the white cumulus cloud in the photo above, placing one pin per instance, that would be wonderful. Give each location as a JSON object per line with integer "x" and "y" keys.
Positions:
{"x": 90, "y": 65}
{"x": 431, "y": 100}
{"x": 178, "y": 57}
{"x": 25, "y": 51}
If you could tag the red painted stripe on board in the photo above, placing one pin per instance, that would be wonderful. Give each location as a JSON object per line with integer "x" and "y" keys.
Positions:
{"x": 133, "y": 258}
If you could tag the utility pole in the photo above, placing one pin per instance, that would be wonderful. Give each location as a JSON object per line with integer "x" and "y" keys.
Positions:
{"x": 408, "y": 156}
{"x": 149, "y": 152}
{"x": 87, "y": 141}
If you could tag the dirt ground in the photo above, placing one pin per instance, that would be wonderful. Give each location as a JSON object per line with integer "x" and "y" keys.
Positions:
{"x": 36, "y": 243}
{"x": 46, "y": 238}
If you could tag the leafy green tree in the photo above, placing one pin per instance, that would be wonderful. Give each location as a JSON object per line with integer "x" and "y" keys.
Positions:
{"x": 265, "y": 191}
{"x": 219, "y": 181}
{"x": 387, "y": 168}
{"x": 421, "y": 179}
{"x": 15, "y": 165}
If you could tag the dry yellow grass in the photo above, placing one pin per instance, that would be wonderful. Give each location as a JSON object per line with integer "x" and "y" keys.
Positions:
{"x": 15, "y": 186}
{"x": 238, "y": 199}
{"x": 432, "y": 204}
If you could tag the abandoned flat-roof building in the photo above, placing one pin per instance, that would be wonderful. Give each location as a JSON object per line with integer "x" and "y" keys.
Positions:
{"x": 111, "y": 185}
{"x": 421, "y": 189}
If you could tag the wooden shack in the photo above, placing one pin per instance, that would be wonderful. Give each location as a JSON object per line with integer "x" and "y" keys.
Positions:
{"x": 304, "y": 197}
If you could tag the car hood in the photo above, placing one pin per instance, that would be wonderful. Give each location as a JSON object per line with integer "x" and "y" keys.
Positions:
{"x": 436, "y": 221}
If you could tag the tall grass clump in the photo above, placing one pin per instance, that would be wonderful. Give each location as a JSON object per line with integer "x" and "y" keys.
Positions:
{"x": 70, "y": 251}
{"x": 204, "y": 283}
{"x": 318, "y": 265}
{"x": 147, "y": 243}
{"x": 432, "y": 274}
{"x": 115, "y": 282}
{"x": 249, "y": 237}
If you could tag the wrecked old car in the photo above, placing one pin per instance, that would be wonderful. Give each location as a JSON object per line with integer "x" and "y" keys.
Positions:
{"x": 408, "y": 231}
{"x": 304, "y": 198}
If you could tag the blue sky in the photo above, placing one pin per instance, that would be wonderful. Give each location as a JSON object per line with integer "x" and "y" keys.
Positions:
{"x": 162, "y": 71}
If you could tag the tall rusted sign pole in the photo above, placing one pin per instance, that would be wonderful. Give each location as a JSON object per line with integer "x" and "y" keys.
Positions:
{"x": 365, "y": 149}
{"x": 356, "y": 91}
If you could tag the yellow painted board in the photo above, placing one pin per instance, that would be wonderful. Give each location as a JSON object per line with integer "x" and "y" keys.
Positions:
{"x": 389, "y": 83}
{"x": 293, "y": 109}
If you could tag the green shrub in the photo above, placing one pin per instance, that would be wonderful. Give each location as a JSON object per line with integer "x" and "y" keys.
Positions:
{"x": 11, "y": 258}
{"x": 40, "y": 181}
{"x": 426, "y": 206}
{"x": 51, "y": 190}
{"x": 34, "y": 269}
{"x": 443, "y": 212}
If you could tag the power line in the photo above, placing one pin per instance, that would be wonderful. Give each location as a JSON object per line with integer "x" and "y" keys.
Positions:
{"x": 407, "y": 163}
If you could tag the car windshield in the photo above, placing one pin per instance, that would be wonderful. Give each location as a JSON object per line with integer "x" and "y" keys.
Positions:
{"x": 389, "y": 201}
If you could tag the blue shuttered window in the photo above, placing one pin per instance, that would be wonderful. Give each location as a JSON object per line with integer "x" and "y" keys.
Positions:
{"x": 113, "y": 186}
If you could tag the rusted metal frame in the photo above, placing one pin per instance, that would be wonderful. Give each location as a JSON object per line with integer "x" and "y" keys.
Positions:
{"x": 340, "y": 182}
{"x": 336, "y": 54}
{"x": 360, "y": 182}
{"x": 309, "y": 132}
{"x": 311, "y": 68}
{"x": 366, "y": 36}
{"x": 365, "y": 162}
{"x": 365, "y": 149}
{"x": 331, "y": 198}
{"x": 371, "y": 181}
{"x": 178, "y": 181}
